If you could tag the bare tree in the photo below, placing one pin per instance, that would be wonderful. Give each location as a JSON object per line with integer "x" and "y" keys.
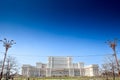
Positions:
{"x": 11, "y": 67}
{"x": 109, "y": 67}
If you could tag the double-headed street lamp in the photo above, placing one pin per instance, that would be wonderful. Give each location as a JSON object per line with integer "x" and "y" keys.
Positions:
{"x": 7, "y": 44}
{"x": 113, "y": 45}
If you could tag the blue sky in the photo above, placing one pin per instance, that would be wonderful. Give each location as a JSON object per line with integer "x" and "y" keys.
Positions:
{"x": 59, "y": 28}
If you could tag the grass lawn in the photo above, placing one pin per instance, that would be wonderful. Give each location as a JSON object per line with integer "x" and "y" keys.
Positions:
{"x": 67, "y": 78}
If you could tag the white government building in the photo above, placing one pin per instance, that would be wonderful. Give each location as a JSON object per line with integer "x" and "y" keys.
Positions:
{"x": 59, "y": 66}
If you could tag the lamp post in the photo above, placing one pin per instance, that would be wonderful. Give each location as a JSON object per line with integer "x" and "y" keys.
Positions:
{"x": 7, "y": 44}
{"x": 113, "y": 45}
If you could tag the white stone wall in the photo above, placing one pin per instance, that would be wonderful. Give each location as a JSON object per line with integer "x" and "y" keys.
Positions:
{"x": 91, "y": 70}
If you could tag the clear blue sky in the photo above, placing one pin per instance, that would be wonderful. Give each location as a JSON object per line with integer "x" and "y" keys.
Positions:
{"x": 59, "y": 28}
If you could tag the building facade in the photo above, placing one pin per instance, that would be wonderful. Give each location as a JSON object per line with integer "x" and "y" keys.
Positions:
{"x": 91, "y": 70}
{"x": 59, "y": 66}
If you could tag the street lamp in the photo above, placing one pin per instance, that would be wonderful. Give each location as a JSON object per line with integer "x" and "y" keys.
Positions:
{"x": 113, "y": 45}
{"x": 7, "y": 44}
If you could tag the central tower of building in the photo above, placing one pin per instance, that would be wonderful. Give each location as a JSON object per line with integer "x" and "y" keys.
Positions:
{"x": 59, "y": 66}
